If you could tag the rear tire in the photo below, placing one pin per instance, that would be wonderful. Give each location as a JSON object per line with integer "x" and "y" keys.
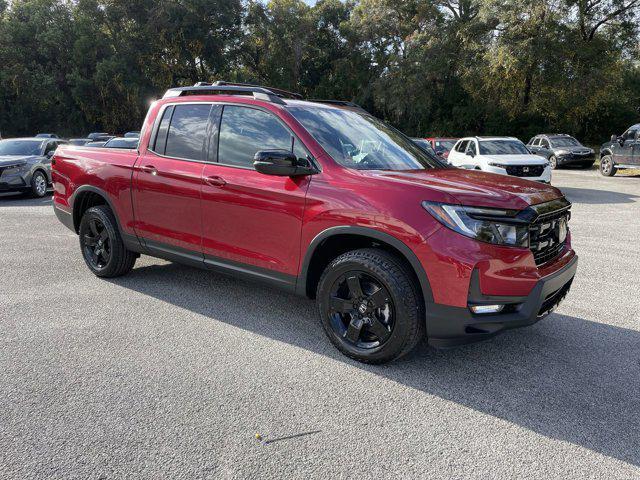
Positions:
{"x": 101, "y": 244}
{"x": 370, "y": 307}
{"x": 607, "y": 168}
{"x": 39, "y": 184}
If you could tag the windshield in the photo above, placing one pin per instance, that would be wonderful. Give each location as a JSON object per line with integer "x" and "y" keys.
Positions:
{"x": 565, "y": 142}
{"x": 20, "y": 147}
{"x": 445, "y": 145}
{"x": 362, "y": 142}
{"x": 502, "y": 147}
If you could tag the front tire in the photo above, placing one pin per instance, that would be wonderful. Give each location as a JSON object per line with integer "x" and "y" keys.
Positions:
{"x": 369, "y": 306}
{"x": 607, "y": 168}
{"x": 101, "y": 244}
{"x": 553, "y": 162}
{"x": 39, "y": 184}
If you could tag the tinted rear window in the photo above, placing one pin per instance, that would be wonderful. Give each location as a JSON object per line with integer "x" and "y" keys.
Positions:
{"x": 187, "y": 132}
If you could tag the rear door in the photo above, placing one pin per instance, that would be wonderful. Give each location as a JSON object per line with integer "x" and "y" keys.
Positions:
{"x": 635, "y": 151}
{"x": 252, "y": 221}
{"x": 168, "y": 180}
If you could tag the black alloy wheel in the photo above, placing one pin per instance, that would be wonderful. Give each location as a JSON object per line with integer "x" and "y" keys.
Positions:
{"x": 101, "y": 244}
{"x": 370, "y": 306}
{"x": 362, "y": 311}
{"x": 97, "y": 244}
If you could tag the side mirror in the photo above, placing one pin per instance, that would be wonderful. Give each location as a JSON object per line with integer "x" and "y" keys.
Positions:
{"x": 614, "y": 138}
{"x": 471, "y": 154}
{"x": 281, "y": 163}
{"x": 50, "y": 153}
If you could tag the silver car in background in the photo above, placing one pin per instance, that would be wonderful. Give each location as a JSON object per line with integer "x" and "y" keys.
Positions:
{"x": 25, "y": 164}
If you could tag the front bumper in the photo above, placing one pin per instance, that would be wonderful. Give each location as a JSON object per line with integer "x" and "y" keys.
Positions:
{"x": 13, "y": 183}
{"x": 449, "y": 326}
{"x": 572, "y": 159}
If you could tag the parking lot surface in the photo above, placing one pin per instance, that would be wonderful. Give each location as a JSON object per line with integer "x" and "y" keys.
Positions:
{"x": 170, "y": 371}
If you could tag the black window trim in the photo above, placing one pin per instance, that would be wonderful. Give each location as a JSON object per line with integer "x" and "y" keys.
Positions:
{"x": 213, "y": 160}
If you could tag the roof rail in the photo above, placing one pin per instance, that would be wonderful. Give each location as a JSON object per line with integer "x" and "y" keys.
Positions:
{"x": 203, "y": 88}
{"x": 278, "y": 91}
{"x": 340, "y": 103}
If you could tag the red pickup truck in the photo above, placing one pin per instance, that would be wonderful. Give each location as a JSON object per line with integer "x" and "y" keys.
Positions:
{"x": 322, "y": 199}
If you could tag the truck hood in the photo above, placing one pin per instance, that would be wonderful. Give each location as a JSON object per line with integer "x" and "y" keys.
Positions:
{"x": 15, "y": 159}
{"x": 520, "y": 159}
{"x": 475, "y": 188}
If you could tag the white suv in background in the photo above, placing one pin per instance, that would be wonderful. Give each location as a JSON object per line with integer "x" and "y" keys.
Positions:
{"x": 504, "y": 155}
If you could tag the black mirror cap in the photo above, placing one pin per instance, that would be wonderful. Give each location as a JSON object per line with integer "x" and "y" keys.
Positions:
{"x": 282, "y": 163}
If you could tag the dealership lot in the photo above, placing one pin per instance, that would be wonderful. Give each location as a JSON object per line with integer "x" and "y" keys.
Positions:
{"x": 171, "y": 371}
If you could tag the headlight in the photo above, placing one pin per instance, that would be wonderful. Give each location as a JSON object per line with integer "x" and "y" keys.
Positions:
{"x": 16, "y": 169}
{"x": 562, "y": 152}
{"x": 485, "y": 224}
{"x": 499, "y": 165}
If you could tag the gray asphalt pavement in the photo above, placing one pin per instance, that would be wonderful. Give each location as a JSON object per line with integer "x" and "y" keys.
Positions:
{"x": 171, "y": 371}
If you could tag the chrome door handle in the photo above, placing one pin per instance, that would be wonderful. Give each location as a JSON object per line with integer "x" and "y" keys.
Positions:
{"x": 149, "y": 169}
{"x": 215, "y": 181}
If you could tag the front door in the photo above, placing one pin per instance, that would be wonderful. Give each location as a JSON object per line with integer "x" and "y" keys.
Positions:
{"x": 168, "y": 181}
{"x": 252, "y": 221}
{"x": 625, "y": 152}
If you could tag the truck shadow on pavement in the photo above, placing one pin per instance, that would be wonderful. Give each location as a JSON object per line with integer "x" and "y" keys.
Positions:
{"x": 566, "y": 378}
{"x": 598, "y": 197}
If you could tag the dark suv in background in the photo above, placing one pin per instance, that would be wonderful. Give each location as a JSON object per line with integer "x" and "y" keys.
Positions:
{"x": 621, "y": 152}
{"x": 561, "y": 149}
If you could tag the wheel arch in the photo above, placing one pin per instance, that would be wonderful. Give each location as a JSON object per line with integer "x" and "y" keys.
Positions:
{"x": 88, "y": 196}
{"x": 334, "y": 241}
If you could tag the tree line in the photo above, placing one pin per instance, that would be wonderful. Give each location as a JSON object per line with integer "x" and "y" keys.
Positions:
{"x": 442, "y": 67}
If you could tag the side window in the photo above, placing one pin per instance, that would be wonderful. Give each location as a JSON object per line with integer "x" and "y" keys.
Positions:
{"x": 187, "y": 132}
{"x": 533, "y": 142}
{"x": 245, "y": 131}
{"x": 471, "y": 148}
{"x": 51, "y": 147}
{"x": 544, "y": 143}
{"x": 630, "y": 134}
{"x": 462, "y": 146}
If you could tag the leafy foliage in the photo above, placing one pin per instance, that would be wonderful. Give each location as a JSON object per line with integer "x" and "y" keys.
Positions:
{"x": 446, "y": 67}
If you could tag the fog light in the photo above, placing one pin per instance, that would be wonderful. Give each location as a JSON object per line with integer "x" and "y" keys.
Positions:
{"x": 484, "y": 309}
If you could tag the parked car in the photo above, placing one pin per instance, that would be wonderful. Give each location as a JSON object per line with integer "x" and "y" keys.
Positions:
{"x": 503, "y": 155}
{"x": 46, "y": 135}
{"x": 132, "y": 135}
{"x": 561, "y": 149}
{"x": 79, "y": 141}
{"x": 25, "y": 164}
{"x": 329, "y": 202}
{"x": 621, "y": 152}
{"x": 122, "y": 142}
{"x": 99, "y": 136}
{"x": 441, "y": 145}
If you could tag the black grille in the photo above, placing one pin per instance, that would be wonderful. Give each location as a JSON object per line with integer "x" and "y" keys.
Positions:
{"x": 525, "y": 170}
{"x": 547, "y": 235}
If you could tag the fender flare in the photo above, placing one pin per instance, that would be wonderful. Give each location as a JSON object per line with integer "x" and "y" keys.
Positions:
{"x": 406, "y": 252}
{"x": 89, "y": 188}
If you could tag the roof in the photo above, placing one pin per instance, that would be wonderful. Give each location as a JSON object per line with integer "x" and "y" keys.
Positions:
{"x": 490, "y": 138}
